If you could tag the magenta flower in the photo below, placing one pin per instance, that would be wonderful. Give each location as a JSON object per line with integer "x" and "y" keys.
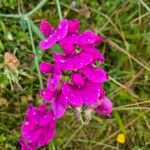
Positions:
{"x": 46, "y": 28}
{"x": 94, "y": 74}
{"x": 88, "y": 38}
{"x": 73, "y": 80}
{"x": 45, "y": 67}
{"x": 58, "y": 101}
{"x": 26, "y": 146}
{"x": 94, "y": 52}
{"x": 105, "y": 107}
{"x": 73, "y": 62}
{"x": 38, "y": 128}
{"x": 55, "y": 36}
{"x": 54, "y": 72}
{"x": 81, "y": 91}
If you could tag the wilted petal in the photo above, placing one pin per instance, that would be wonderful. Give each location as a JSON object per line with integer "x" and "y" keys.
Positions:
{"x": 46, "y": 28}
{"x": 73, "y": 26}
{"x": 57, "y": 35}
{"x": 73, "y": 62}
{"x": 96, "y": 54}
{"x": 106, "y": 107}
{"x": 46, "y": 94}
{"x": 94, "y": 74}
{"x": 72, "y": 94}
{"x": 89, "y": 38}
{"x": 45, "y": 67}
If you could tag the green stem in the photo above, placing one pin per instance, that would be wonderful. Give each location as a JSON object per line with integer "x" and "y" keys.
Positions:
{"x": 59, "y": 9}
{"x": 36, "y": 7}
{"x": 34, "y": 51}
{"x": 10, "y": 15}
{"x": 144, "y": 5}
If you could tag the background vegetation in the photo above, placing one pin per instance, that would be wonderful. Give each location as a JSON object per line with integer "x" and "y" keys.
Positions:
{"x": 125, "y": 24}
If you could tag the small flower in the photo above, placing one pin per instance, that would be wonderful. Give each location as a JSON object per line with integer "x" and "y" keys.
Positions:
{"x": 121, "y": 138}
{"x": 105, "y": 107}
{"x": 38, "y": 128}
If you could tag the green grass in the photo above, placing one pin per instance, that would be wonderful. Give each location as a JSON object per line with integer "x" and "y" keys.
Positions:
{"x": 126, "y": 46}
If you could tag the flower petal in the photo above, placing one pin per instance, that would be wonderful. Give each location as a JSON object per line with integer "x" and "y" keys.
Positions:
{"x": 68, "y": 44}
{"x": 45, "y": 119}
{"x": 96, "y": 54}
{"x": 59, "y": 105}
{"x": 94, "y": 74}
{"x": 89, "y": 38}
{"x": 77, "y": 79}
{"x": 27, "y": 146}
{"x": 46, "y": 28}
{"x": 91, "y": 92}
{"x": 48, "y": 134}
{"x": 32, "y": 136}
{"x": 106, "y": 107}
{"x": 57, "y": 35}
{"x": 73, "y": 62}
{"x": 46, "y": 94}
{"x": 45, "y": 67}
{"x": 72, "y": 94}
{"x": 32, "y": 113}
{"x": 53, "y": 81}
{"x": 73, "y": 26}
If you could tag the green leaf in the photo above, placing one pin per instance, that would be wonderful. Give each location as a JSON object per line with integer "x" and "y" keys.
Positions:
{"x": 1, "y": 46}
{"x": 51, "y": 146}
{"x": 36, "y": 30}
{"x": 3, "y": 28}
{"x": 3, "y": 80}
{"x": 119, "y": 121}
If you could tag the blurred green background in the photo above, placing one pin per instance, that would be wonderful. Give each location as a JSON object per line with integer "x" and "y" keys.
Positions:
{"x": 125, "y": 24}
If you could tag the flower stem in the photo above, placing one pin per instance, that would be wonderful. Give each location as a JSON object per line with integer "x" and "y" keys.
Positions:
{"x": 34, "y": 51}
{"x": 59, "y": 9}
{"x": 36, "y": 7}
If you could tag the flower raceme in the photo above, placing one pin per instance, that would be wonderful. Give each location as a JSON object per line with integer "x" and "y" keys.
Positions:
{"x": 73, "y": 81}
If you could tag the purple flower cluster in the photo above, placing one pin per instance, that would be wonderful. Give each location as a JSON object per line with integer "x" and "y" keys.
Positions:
{"x": 74, "y": 80}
